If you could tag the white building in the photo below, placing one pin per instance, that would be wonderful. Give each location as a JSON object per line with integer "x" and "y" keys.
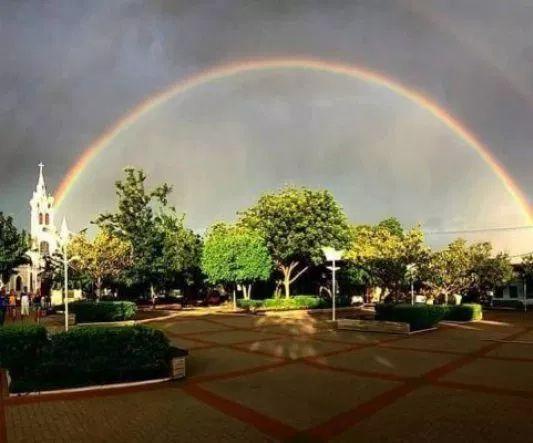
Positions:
{"x": 44, "y": 239}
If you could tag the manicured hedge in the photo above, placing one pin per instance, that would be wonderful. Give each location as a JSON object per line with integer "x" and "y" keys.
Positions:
{"x": 89, "y": 356}
{"x": 19, "y": 345}
{"x": 296, "y": 302}
{"x": 465, "y": 312}
{"x": 505, "y": 303}
{"x": 418, "y": 316}
{"x": 102, "y": 311}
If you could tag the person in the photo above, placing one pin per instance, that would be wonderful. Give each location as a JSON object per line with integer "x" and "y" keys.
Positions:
{"x": 24, "y": 303}
{"x": 12, "y": 304}
{"x": 3, "y": 306}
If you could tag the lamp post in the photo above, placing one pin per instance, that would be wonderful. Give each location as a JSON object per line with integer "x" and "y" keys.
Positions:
{"x": 333, "y": 256}
{"x": 411, "y": 268}
{"x": 64, "y": 236}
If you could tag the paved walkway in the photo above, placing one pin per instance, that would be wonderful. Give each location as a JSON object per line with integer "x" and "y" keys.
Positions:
{"x": 268, "y": 379}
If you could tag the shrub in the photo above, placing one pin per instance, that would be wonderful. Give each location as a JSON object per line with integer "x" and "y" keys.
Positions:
{"x": 102, "y": 311}
{"x": 249, "y": 304}
{"x": 20, "y": 345}
{"x": 296, "y": 302}
{"x": 418, "y": 316}
{"x": 465, "y": 312}
{"x": 88, "y": 356}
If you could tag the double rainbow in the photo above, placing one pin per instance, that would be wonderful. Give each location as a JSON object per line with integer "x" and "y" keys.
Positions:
{"x": 233, "y": 69}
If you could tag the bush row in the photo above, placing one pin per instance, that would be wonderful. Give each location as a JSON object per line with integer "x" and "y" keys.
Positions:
{"x": 82, "y": 356}
{"x": 296, "y": 302}
{"x": 427, "y": 316}
{"x": 102, "y": 311}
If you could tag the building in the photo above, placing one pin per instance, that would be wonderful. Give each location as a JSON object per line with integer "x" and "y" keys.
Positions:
{"x": 44, "y": 239}
{"x": 517, "y": 292}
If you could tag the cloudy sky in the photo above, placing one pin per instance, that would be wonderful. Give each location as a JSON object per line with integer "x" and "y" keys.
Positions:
{"x": 71, "y": 68}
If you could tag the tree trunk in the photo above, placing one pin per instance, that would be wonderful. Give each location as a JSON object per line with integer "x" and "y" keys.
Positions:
{"x": 249, "y": 295}
{"x": 287, "y": 275}
{"x": 152, "y": 294}
{"x": 98, "y": 288}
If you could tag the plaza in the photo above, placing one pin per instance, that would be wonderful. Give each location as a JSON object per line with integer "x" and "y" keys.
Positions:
{"x": 281, "y": 378}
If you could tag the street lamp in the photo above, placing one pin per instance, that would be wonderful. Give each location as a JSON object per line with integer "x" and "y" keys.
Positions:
{"x": 411, "y": 269}
{"x": 332, "y": 255}
{"x": 64, "y": 237}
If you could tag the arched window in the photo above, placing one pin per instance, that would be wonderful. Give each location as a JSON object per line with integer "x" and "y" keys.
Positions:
{"x": 47, "y": 219}
{"x": 18, "y": 283}
{"x": 40, "y": 218}
{"x": 44, "y": 248}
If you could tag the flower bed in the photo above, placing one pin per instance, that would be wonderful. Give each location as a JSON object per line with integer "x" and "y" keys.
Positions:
{"x": 103, "y": 311}
{"x": 84, "y": 356}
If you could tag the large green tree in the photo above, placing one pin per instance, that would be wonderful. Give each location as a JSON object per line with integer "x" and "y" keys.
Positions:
{"x": 161, "y": 245}
{"x": 13, "y": 247}
{"x": 234, "y": 254}
{"x": 296, "y": 223}
{"x": 182, "y": 250}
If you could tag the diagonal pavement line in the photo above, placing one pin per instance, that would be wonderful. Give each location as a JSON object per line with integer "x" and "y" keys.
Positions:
{"x": 347, "y": 419}
{"x": 265, "y": 424}
{"x": 483, "y": 389}
{"x": 238, "y": 373}
{"x": 466, "y": 359}
{"x": 356, "y": 372}
{"x": 339, "y": 423}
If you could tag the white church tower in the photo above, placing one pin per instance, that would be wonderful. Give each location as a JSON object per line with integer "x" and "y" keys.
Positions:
{"x": 44, "y": 238}
{"x": 42, "y": 228}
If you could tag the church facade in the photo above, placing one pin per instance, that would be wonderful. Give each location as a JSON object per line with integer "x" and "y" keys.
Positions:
{"x": 44, "y": 236}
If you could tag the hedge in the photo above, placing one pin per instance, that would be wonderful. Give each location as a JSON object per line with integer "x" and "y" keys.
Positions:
{"x": 19, "y": 345}
{"x": 296, "y": 302}
{"x": 465, "y": 312}
{"x": 418, "y": 316}
{"x": 102, "y": 311}
{"x": 89, "y": 356}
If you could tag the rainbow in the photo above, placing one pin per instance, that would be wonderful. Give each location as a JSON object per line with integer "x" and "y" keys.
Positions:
{"x": 241, "y": 67}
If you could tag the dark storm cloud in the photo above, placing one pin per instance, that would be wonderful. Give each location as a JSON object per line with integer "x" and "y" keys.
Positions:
{"x": 71, "y": 68}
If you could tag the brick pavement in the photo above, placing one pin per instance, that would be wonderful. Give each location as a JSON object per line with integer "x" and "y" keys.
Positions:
{"x": 280, "y": 379}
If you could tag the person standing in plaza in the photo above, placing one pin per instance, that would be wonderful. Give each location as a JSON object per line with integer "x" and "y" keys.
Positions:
{"x": 3, "y": 306}
{"x": 12, "y": 304}
{"x": 24, "y": 303}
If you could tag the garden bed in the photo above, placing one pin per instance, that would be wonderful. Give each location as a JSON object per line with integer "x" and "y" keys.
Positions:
{"x": 84, "y": 357}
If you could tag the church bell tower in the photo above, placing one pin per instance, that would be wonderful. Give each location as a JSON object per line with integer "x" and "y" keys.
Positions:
{"x": 42, "y": 228}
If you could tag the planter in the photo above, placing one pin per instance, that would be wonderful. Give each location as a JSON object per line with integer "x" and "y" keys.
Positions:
{"x": 390, "y": 327}
{"x": 429, "y": 302}
{"x": 178, "y": 364}
{"x": 458, "y": 299}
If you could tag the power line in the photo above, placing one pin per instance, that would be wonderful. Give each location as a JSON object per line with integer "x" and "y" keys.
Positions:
{"x": 477, "y": 230}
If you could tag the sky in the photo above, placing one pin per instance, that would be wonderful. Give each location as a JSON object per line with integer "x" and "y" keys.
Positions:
{"x": 70, "y": 70}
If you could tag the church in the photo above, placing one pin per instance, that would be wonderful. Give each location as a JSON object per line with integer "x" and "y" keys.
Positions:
{"x": 45, "y": 239}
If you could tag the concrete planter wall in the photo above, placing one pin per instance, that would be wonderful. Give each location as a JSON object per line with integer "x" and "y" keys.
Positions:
{"x": 374, "y": 326}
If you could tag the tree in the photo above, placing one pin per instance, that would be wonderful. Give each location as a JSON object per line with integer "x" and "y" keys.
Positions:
{"x": 488, "y": 272}
{"x": 182, "y": 250}
{"x": 234, "y": 254}
{"x": 103, "y": 259}
{"x": 385, "y": 251}
{"x": 13, "y": 247}
{"x": 296, "y": 223}
{"x": 144, "y": 220}
{"x": 460, "y": 268}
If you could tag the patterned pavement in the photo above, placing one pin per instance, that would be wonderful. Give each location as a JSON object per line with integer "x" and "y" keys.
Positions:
{"x": 285, "y": 379}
